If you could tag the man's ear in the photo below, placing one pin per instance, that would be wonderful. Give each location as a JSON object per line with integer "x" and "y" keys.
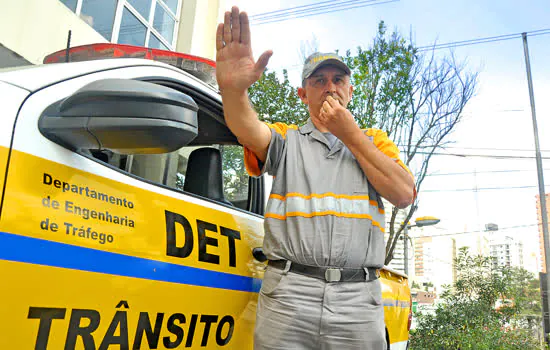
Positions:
{"x": 303, "y": 95}
{"x": 350, "y": 92}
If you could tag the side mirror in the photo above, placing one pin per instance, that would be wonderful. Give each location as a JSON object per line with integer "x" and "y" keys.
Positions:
{"x": 124, "y": 116}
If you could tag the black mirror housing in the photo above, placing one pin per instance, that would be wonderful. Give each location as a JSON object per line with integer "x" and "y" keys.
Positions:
{"x": 124, "y": 116}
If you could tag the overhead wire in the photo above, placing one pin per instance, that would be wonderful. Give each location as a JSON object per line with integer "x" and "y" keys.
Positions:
{"x": 483, "y": 40}
{"x": 365, "y": 3}
{"x": 474, "y": 148}
{"x": 460, "y": 43}
{"x": 477, "y": 231}
{"x": 484, "y": 172}
{"x": 302, "y": 8}
{"x": 481, "y": 189}
{"x": 494, "y": 156}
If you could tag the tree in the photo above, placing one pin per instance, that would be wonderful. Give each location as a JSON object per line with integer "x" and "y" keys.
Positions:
{"x": 417, "y": 98}
{"x": 235, "y": 178}
{"x": 482, "y": 310}
{"x": 428, "y": 285}
{"x": 277, "y": 101}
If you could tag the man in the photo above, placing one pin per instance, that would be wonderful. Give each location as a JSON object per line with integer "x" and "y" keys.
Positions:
{"x": 324, "y": 219}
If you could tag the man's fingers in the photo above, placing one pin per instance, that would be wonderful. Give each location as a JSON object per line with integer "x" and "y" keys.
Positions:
{"x": 245, "y": 28}
{"x": 326, "y": 106}
{"x": 332, "y": 101}
{"x": 235, "y": 24}
{"x": 227, "y": 28}
{"x": 263, "y": 60}
{"x": 219, "y": 37}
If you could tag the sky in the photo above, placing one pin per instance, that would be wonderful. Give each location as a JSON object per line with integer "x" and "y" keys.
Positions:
{"x": 497, "y": 121}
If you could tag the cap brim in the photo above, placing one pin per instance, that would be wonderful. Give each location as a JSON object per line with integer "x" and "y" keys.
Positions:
{"x": 330, "y": 61}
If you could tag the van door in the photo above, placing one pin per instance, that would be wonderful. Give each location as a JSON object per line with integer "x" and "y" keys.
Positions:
{"x": 12, "y": 97}
{"x": 139, "y": 251}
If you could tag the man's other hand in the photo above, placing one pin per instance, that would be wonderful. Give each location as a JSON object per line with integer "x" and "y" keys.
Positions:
{"x": 337, "y": 119}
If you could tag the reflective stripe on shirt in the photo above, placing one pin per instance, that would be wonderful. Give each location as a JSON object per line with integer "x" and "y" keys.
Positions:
{"x": 358, "y": 207}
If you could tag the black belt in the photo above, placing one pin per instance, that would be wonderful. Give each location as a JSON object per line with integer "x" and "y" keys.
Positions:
{"x": 329, "y": 274}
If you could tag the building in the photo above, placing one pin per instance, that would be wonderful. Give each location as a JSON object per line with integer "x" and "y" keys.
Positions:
{"x": 435, "y": 261}
{"x": 422, "y": 297}
{"x": 398, "y": 261}
{"x": 507, "y": 252}
{"x": 541, "y": 235}
{"x": 32, "y": 29}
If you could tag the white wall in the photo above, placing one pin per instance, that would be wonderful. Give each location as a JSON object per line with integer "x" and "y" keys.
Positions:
{"x": 36, "y": 28}
{"x": 197, "y": 30}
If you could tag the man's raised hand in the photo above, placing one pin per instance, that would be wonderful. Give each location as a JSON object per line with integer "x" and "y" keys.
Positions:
{"x": 236, "y": 70}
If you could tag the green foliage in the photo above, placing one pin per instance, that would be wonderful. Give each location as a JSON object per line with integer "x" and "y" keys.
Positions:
{"x": 382, "y": 79}
{"x": 235, "y": 177}
{"x": 484, "y": 309}
{"x": 428, "y": 285}
{"x": 277, "y": 101}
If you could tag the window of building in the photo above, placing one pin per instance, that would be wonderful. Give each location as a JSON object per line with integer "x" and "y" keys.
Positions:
{"x": 155, "y": 43}
{"x": 151, "y": 23}
{"x": 100, "y": 15}
{"x": 71, "y": 4}
{"x": 132, "y": 31}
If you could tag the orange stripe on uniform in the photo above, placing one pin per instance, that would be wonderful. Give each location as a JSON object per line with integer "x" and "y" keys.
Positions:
{"x": 281, "y": 128}
{"x": 328, "y": 194}
{"x": 251, "y": 163}
{"x": 386, "y": 146}
{"x": 324, "y": 213}
{"x": 322, "y": 195}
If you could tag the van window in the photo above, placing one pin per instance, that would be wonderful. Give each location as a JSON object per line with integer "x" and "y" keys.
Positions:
{"x": 212, "y": 166}
{"x": 213, "y": 171}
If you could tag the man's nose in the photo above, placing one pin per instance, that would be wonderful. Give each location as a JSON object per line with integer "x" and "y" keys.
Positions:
{"x": 331, "y": 87}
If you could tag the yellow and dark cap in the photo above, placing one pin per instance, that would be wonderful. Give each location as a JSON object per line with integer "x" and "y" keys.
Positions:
{"x": 319, "y": 59}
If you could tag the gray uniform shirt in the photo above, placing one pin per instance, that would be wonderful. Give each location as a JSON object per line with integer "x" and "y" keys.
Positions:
{"x": 322, "y": 210}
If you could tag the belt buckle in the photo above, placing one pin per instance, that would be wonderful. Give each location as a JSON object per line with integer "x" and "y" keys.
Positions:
{"x": 333, "y": 274}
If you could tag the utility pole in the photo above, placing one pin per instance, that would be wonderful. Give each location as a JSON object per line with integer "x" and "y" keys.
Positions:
{"x": 546, "y": 287}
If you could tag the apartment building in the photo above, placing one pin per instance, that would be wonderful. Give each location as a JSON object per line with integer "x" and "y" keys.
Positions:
{"x": 541, "y": 236}
{"x": 506, "y": 252}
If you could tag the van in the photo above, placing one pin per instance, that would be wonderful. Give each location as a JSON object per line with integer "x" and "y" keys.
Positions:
{"x": 126, "y": 217}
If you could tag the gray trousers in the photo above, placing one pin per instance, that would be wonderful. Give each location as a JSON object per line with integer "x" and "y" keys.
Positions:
{"x": 301, "y": 312}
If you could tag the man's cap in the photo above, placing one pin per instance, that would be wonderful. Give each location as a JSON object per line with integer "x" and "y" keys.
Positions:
{"x": 319, "y": 59}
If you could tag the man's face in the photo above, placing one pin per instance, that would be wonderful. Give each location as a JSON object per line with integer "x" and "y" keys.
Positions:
{"x": 326, "y": 81}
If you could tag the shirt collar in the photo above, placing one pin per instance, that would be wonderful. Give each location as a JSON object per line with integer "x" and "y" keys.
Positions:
{"x": 308, "y": 127}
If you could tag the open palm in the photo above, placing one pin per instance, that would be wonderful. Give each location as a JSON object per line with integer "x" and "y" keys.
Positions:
{"x": 235, "y": 66}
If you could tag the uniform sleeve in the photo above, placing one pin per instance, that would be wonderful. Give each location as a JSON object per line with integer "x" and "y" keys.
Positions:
{"x": 275, "y": 151}
{"x": 386, "y": 146}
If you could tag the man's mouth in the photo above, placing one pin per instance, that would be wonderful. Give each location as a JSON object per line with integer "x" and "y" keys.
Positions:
{"x": 334, "y": 96}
